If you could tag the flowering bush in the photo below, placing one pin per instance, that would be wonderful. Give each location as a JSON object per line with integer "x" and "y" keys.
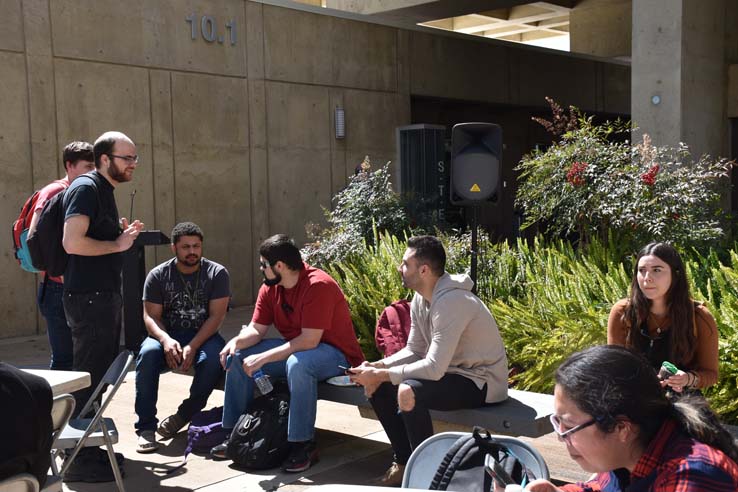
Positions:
{"x": 367, "y": 205}
{"x": 592, "y": 185}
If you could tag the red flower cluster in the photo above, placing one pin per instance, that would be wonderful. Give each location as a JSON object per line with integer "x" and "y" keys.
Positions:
{"x": 575, "y": 175}
{"x": 649, "y": 177}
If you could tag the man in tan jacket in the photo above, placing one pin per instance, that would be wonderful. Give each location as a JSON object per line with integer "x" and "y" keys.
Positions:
{"x": 454, "y": 358}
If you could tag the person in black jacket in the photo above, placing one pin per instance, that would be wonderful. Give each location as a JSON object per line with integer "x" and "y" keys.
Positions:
{"x": 25, "y": 424}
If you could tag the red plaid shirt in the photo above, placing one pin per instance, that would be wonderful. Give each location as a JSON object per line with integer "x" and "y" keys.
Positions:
{"x": 673, "y": 462}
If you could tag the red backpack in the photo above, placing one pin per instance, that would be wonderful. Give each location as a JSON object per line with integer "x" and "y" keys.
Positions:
{"x": 393, "y": 328}
{"x": 20, "y": 230}
{"x": 20, "y": 233}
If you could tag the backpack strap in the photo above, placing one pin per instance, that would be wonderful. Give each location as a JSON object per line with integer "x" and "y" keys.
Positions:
{"x": 43, "y": 287}
{"x": 26, "y": 212}
{"x": 393, "y": 318}
{"x": 450, "y": 462}
{"x": 96, "y": 187}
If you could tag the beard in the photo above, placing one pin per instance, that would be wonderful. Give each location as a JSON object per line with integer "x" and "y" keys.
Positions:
{"x": 271, "y": 282}
{"x": 118, "y": 174}
{"x": 189, "y": 260}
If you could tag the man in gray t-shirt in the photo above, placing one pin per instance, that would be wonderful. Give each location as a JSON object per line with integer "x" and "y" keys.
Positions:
{"x": 185, "y": 301}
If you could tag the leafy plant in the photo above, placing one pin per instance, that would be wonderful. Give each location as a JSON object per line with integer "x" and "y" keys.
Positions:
{"x": 589, "y": 185}
{"x": 368, "y": 202}
{"x": 370, "y": 282}
{"x": 549, "y": 298}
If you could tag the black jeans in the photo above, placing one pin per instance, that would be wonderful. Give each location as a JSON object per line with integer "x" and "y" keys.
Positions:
{"x": 95, "y": 321}
{"x": 406, "y": 430}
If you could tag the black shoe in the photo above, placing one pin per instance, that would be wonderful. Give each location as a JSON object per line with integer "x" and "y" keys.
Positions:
{"x": 219, "y": 451}
{"x": 88, "y": 467}
{"x": 303, "y": 456}
{"x": 100, "y": 453}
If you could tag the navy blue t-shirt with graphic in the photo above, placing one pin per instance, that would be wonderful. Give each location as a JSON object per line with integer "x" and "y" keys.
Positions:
{"x": 186, "y": 298}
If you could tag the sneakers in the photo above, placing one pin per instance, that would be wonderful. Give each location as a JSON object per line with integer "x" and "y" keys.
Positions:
{"x": 302, "y": 456}
{"x": 147, "y": 442}
{"x": 392, "y": 477}
{"x": 171, "y": 425}
{"x": 219, "y": 451}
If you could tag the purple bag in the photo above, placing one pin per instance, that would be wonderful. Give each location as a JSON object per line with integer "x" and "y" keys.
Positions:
{"x": 205, "y": 431}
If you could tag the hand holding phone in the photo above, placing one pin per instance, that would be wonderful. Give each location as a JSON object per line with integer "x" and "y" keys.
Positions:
{"x": 499, "y": 475}
{"x": 346, "y": 370}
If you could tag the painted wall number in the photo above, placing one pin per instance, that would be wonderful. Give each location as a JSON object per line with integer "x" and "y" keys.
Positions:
{"x": 208, "y": 27}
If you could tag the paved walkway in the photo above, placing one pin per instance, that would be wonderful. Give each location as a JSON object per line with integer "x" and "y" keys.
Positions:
{"x": 354, "y": 449}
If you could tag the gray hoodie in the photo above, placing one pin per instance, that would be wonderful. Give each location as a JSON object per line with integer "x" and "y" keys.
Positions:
{"x": 455, "y": 334}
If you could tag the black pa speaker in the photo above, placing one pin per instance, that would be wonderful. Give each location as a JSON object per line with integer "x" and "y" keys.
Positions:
{"x": 476, "y": 157}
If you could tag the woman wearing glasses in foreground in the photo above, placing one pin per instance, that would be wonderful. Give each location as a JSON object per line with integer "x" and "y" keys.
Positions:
{"x": 617, "y": 422}
{"x": 660, "y": 320}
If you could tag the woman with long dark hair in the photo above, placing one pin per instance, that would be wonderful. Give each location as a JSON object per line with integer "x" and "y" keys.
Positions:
{"x": 617, "y": 422}
{"x": 661, "y": 320}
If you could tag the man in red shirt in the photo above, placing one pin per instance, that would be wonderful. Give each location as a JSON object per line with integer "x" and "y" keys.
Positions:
{"x": 312, "y": 316}
{"x": 78, "y": 159}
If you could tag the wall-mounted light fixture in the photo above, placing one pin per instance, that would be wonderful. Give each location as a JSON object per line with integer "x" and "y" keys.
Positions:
{"x": 340, "y": 123}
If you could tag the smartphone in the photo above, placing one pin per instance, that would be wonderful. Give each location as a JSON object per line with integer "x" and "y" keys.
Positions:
{"x": 498, "y": 474}
{"x": 346, "y": 370}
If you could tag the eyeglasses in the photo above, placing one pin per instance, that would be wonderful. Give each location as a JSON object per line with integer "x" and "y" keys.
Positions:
{"x": 130, "y": 159}
{"x": 263, "y": 264}
{"x": 556, "y": 423}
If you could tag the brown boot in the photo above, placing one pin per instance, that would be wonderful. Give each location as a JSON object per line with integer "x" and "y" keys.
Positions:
{"x": 392, "y": 477}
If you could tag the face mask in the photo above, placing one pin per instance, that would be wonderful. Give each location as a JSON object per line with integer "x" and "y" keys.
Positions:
{"x": 273, "y": 281}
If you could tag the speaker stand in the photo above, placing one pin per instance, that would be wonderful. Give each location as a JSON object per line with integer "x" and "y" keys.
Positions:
{"x": 474, "y": 224}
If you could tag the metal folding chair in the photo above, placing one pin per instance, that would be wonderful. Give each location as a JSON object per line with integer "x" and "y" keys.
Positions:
{"x": 61, "y": 411}
{"x": 425, "y": 459}
{"x": 23, "y": 482}
{"x": 98, "y": 430}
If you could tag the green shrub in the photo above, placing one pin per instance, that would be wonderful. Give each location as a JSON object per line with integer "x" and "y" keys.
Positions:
{"x": 566, "y": 298}
{"x": 370, "y": 281}
{"x": 549, "y": 300}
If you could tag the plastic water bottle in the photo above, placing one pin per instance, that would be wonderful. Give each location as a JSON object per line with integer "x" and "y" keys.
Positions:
{"x": 262, "y": 382}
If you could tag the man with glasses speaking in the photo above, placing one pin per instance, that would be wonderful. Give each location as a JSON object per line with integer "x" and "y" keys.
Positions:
{"x": 94, "y": 237}
{"x": 312, "y": 316}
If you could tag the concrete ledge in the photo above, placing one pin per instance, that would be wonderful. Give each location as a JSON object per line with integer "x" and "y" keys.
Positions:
{"x": 524, "y": 413}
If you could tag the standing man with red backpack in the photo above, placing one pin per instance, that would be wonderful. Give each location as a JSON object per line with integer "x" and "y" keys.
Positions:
{"x": 78, "y": 159}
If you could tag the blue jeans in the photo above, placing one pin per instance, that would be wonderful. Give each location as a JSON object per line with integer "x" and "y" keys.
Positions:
{"x": 302, "y": 370}
{"x": 60, "y": 336}
{"x": 150, "y": 363}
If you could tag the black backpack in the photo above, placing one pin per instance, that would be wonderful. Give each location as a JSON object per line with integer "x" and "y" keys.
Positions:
{"x": 45, "y": 244}
{"x": 463, "y": 467}
{"x": 259, "y": 439}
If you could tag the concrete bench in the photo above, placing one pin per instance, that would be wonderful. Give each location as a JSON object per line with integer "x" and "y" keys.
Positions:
{"x": 524, "y": 413}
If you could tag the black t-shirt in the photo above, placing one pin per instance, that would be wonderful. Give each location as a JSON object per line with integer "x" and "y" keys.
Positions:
{"x": 96, "y": 201}
{"x": 185, "y": 299}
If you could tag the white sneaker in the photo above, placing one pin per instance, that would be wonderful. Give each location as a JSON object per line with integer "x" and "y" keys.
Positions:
{"x": 147, "y": 442}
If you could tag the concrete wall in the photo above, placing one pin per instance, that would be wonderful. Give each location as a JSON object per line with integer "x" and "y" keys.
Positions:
{"x": 236, "y": 131}
{"x": 679, "y": 56}
{"x": 601, "y": 28}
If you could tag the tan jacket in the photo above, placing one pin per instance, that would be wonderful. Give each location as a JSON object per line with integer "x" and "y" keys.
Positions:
{"x": 453, "y": 334}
